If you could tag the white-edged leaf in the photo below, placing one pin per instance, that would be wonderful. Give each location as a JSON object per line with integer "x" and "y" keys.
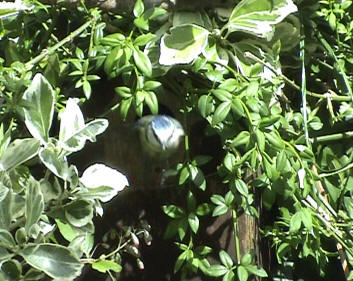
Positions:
{"x": 79, "y": 212}
{"x": 38, "y": 103}
{"x": 6, "y": 207}
{"x": 34, "y": 204}
{"x": 88, "y": 132}
{"x": 73, "y": 130}
{"x": 6, "y": 239}
{"x": 102, "y": 182}
{"x": 8, "y": 9}
{"x": 257, "y": 17}
{"x": 55, "y": 260}
{"x": 71, "y": 120}
{"x": 183, "y": 44}
{"x": 58, "y": 164}
{"x": 17, "y": 152}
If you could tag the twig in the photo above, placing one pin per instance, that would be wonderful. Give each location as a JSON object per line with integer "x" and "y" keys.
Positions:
{"x": 295, "y": 86}
{"x": 29, "y": 65}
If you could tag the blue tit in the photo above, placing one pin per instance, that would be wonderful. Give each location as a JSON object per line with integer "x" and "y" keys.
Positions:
{"x": 160, "y": 135}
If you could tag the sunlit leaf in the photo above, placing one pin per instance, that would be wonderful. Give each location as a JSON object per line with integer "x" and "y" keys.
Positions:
{"x": 183, "y": 44}
{"x": 257, "y": 17}
{"x": 55, "y": 260}
{"x": 38, "y": 102}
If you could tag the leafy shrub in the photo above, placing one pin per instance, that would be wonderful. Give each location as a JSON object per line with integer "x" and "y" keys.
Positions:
{"x": 272, "y": 79}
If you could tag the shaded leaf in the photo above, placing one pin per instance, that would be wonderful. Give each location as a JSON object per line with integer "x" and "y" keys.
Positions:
{"x": 19, "y": 151}
{"x": 56, "y": 261}
{"x": 34, "y": 204}
{"x": 183, "y": 44}
{"x": 38, "y": 102}
{"x": 105, "y": 265}
{"x": 258, "y": 17}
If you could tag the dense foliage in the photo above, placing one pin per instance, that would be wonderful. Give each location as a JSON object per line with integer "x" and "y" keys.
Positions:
{"x": 273, "y": 79}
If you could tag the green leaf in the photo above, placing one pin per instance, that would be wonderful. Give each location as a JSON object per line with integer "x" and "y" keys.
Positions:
{"x": 268, "y": 198}
{"x": 282, "y": 161}
{"x": 260, "y": 139}
{"x": 229, "y": 85}
{"x": 152, "y": 102}
{"x": 332, "y": 21}
{"x": 183, "y": 17}
{"x": 143, "y": 39}
{"x": 221, "y": 112}
{"x": 87, "y": 90}
{"x": 142, "y": 62}
{"x": 205, "y": 105}
{"x": 34, "y": 204}
{"x": 38, "y": 103}
{"x": 258, "y": 17}
{"x": 180, "y": 261}
{"x": 332, "y": 190}
{"x": 198, "y": 178}
{"x": 222, "y": 95}
{"x": 138, "y": 8}
{"x": 112, "y": 59}
{"x": 20, "y": 236}
{"x": 295, "y": 222}
{"x": 113, "y": 40}
{"x": 191, "y": 201}
{"x": 229, "y": 162}
{"x": 142, "y": 22}
{"x": 173, "y": 211}
{"x": 58, "y": 164}
{"x": 123, "y": 92}
{"x": 66, "y": 230}
{"x": 17, "y": 152}
{"x": 12, "y": 270}
{"x": 6, "y": 207}
{"x": 182, "y": 228}
{"x": 56, "y": 261}
{"x": 307, "y": 219}
{"x": 241, "y": 186}
{"x": 269, "y": 121}
{"x": 229, "y": 198}
{"x": 226, "y": 259}
{"x": 241, "y": 139}
{"x": 184, "y": 44}
{"x": 200, "y": 160}
{"x": 216, "y": 270}
{"x": 79, "y": 212}
{"x": 52, "y": 69}
{"x": 139, "y": 99}
{"x": 274, "y": 140}
{"x": 184, "y": 175}
{"x": 237, "y": 107}
{"x": 124, "y": 107}
{"x": 33, "y": 274}
{"x": 106, "y": 265}
{"x": 6, "y": 239}
{"x": 229, "y": 276}
{"x": 256, "y": 270}
{"x": 218, "y": 199}
{"x": 246, "y": 259}
{"x": 203, "y": 250}
{"x": 220, "y": 210}
{"x": 242, "y": 273}
{"x": 203, "y": 209}
{"x": 151, "y": 85}
{"x": 193, "y": 222}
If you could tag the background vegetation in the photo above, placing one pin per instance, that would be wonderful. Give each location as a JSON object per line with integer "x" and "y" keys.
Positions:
{"x": 272, "y": 80}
